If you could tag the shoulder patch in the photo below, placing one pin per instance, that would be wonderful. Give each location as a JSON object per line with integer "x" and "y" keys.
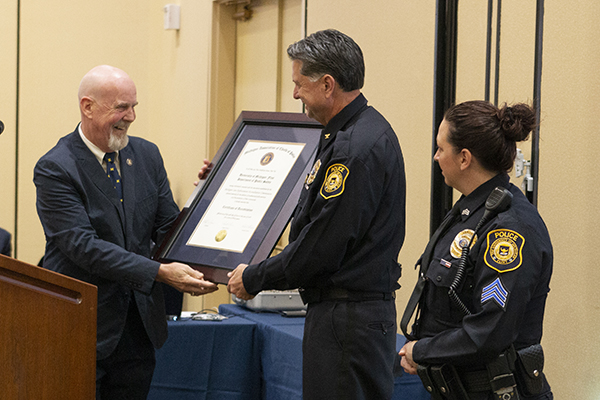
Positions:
{"x": 504, "y": 250}
{"x": 335, "y": 178}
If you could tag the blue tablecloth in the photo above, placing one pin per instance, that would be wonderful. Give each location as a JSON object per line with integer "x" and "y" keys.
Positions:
{"x": 208, "y": 360}
{"x": 279, "y": 341}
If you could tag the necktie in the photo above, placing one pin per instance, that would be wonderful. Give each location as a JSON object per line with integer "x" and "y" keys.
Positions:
{"x": 413, "y": 302}
{"x": 113, "y": 174}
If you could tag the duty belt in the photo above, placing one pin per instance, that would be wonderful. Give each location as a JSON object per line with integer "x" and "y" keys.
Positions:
{"x": 476, "y": 381}
{"x": 449, "y": 383}
{"x": 316, "y": 295}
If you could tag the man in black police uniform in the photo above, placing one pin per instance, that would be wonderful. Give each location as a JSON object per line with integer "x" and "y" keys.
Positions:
{"x": 347, "y": 230}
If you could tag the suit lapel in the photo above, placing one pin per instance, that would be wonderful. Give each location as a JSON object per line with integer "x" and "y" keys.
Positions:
{"x": 128, "y": 168}
{"x": 91, "y": 167}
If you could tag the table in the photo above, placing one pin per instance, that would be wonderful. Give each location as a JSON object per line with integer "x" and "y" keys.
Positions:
{"x": 249, "y": 356}
{"x": 279, "y": 341}
{"x": 208, "y": 360}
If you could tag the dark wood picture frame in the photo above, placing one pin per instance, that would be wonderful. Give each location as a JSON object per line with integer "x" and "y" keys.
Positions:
{"x": 262, "y": 126}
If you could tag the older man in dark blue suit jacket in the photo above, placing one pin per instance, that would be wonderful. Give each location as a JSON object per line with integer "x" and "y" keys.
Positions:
{"x": 96, "y": 235}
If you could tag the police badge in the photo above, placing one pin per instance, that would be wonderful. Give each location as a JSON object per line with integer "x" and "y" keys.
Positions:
{"x": 461, "y": 240}
{"x": 313, "y": 173}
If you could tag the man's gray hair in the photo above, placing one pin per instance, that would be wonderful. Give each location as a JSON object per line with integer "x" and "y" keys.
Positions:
{"x": 330, "y": 52}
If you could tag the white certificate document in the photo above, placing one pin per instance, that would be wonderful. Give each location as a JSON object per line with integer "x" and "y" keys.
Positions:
{"x": 245, "y": 195}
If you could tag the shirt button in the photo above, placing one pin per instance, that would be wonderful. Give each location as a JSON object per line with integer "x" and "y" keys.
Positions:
{"x": 439, "y": 278}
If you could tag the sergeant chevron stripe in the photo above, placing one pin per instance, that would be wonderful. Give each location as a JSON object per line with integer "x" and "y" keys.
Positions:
{"x": 495, "y": 291}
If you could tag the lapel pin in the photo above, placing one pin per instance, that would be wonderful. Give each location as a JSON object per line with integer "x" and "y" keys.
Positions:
{"x": 129, "y": 162}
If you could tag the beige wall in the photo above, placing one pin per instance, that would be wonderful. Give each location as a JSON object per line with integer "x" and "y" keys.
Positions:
{"x": 57, "y": 46}
{"x": 569, "y": 173}
{"x": 193, "y": 83}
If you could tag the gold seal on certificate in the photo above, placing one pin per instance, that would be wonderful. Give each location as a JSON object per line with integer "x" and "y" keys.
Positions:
{"x": 220, "y": 235}
{"x": 267, "y": 158}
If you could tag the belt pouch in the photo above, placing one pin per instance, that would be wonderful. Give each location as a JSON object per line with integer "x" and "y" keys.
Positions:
{"x": 529, "y": 366}
{"x": 448, "y": 382}
{"x": 502, "y": 379}
{"x": 423, "y": 373}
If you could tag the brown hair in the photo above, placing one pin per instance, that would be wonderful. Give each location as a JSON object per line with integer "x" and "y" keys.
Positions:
{"x": 490, "y": 133}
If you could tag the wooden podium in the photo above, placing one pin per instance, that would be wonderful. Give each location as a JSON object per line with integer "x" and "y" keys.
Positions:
{"x": 47, "y": 334}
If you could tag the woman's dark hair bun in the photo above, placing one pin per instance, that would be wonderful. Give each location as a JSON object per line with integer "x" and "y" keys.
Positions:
{"x": 517, "y": 121}
{"x": 488, "y": 132}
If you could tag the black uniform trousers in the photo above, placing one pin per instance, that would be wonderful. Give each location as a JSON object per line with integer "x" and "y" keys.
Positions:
{"x": 127, "y": 372}
{"x": 349, "y": 349}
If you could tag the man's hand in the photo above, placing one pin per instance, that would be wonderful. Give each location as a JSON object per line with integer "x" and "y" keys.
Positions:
{"x": 204, "y": 171}
{"x": 408, "y": 364}
{"x": 185, "y": 279}
{"x": 236, "y": 284}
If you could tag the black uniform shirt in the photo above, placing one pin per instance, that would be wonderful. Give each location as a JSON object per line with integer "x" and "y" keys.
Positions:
{"x": 348, "y": 227}
{"x": 508, "y": 276}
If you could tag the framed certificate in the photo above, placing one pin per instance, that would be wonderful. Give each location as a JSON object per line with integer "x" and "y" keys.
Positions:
{"x": 239, "y": 212}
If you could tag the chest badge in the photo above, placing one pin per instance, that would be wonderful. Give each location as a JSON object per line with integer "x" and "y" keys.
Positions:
{"x": 313, "y": 173}
{"x": 461, "y": 240}
{"x": 334, "y": 181}
{"x": 504, "y": 250}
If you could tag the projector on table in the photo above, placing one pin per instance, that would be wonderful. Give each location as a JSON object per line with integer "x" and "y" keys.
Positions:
{"x": 274, "y": 300}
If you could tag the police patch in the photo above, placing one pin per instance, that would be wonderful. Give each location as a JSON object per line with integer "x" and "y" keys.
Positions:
{"x": 504, "y": 248}
{"x": 335, "y": 179}
{"x": 461, "y": 240}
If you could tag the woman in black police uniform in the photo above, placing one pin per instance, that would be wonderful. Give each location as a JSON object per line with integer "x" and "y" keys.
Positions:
{"x": 478, "y": 328}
